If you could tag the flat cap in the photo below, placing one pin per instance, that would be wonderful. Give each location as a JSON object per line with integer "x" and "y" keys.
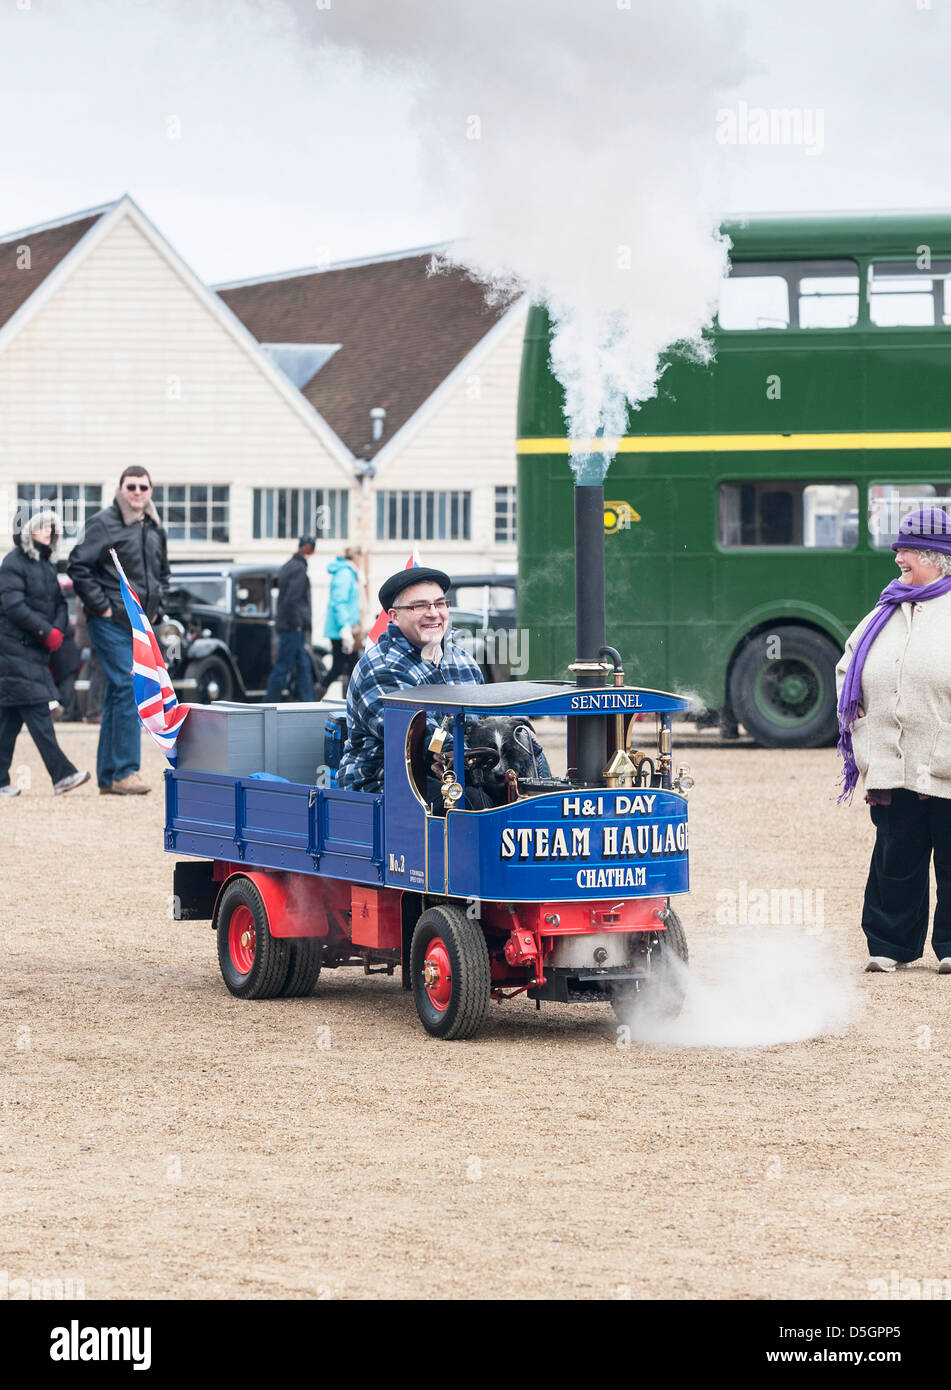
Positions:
{"x": 392, "y": 587}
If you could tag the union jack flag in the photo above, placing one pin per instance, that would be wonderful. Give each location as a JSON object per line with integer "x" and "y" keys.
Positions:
{"x": 157, "y": 703}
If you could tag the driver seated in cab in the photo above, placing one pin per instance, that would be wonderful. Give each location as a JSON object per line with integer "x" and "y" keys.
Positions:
{"x": 416, "y": 649}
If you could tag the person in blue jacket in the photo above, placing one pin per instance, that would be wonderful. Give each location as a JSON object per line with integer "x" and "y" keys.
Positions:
{"x": 343, "y": 614}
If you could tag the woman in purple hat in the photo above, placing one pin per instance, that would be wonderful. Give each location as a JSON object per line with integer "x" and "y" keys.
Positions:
{"x": 895, "y": 726}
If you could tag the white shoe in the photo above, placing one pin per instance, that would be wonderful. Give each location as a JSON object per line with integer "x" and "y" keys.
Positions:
{"x": 882, "y": 964}
{"x": 66, "y": 784}
{"x": 8, "y": 790}
{"x": 944, "y": 966}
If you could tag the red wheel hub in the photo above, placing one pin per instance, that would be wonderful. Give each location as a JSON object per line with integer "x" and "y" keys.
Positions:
{"x": 437, "y": 974}
{"x": 241, "y": 939}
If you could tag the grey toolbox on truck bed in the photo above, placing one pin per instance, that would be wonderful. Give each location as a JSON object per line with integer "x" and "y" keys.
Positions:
{"x": 285, "y": 740}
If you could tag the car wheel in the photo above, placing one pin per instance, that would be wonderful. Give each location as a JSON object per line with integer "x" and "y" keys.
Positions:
{"x": 214, "y": 681}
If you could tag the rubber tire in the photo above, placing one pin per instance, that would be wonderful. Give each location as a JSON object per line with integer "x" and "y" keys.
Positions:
{"x": 202, "y": 671}
{"x": 272, "y": 955}
{"x": 626, "y": 998}
{"x": 821, "y": 728}
{"x": 469, "y": 959}
{"x": 307, "y": 955}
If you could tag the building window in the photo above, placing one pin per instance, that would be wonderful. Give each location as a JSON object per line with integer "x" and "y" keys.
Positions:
{"x": 286, "y": 513}
{"x": 813, "y": 516}
{"x": 888, "y": 503}
{"x": 790, "y": 294}
{"x": 423, "y": 516}
{"x": 901, "y": 294}
{"x": 505, "y": 503}
{"x": 194, "y": 511}
{"x": 73, "y": 503}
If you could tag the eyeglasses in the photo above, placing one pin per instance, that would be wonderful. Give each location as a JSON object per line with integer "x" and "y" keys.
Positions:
{"x": 441, "y": 605}
{"x": 138, "y": 487}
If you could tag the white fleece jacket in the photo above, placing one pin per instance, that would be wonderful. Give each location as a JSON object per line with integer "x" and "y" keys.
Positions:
{"x": 904, "y": 738}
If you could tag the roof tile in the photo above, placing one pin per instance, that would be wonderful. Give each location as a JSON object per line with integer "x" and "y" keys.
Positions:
{"x": 402, "y": 330}
{"x": 47, "y": 249}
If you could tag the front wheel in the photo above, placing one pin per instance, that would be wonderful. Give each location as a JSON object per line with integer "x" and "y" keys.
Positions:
{"x": 664, "y": 991}
{"x": 254, "y": 964}
{"x": 782, "y": 688}
{"x": 213, "y": 680}
{"x": 449, "y": 966}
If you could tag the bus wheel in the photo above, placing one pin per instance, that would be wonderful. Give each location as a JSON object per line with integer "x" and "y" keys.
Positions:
{"x": 449, "y": 966}
{"x": 254, "y": 964}
{"x": 782, "y": 688}
{"x": 664, "y": 992}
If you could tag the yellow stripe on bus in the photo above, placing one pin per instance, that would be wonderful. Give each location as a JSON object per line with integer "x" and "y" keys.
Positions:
{"x": 738, "y": 443}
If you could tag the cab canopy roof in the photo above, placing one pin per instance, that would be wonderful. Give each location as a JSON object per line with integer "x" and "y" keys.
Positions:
{"x": 536, "y": 697}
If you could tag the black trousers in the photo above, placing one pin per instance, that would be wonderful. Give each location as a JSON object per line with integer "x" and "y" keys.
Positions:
{"x": 40, "y": 726}
{"x": 341, "y": 666}
{"x": 895, "y": 914}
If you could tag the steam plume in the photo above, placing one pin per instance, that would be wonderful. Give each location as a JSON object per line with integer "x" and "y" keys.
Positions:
{"x": 572, "y": 140}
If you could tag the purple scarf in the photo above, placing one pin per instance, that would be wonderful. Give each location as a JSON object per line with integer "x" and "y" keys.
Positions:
{"x": 891, "y": 596}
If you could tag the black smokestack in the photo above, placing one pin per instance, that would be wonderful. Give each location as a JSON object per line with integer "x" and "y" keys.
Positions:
{"x": 589, "y": 618}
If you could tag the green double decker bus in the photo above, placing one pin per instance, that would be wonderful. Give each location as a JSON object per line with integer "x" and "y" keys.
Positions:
{"x": 751, "y": 506}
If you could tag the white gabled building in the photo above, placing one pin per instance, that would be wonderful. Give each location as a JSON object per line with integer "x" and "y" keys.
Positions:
{"x": 113, "y": 352}
{"x": 371, "y": 401}
{"x": 419, "y": 378}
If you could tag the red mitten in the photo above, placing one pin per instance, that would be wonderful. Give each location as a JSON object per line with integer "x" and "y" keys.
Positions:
{"x": 54, "y": 640}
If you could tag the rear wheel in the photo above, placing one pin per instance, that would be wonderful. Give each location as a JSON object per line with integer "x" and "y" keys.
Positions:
{"x": 782, "y": 688}
{"x": 449, "y": 967}
{"x": 304, "y": 970}
{"x": 666, "y": 987}
{"x": 254, "y": 964}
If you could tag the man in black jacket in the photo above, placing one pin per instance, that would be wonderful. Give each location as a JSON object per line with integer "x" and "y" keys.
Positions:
{"x": 132, "y": 528}
{"x": 294, "y": 625}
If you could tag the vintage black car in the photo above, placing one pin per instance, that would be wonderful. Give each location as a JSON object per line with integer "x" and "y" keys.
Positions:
{"x": 218, "y": 633}
{"x": 482, "y": 615}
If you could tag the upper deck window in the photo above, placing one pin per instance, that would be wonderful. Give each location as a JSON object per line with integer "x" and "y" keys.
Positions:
{"x": 901, "y": 294}
{"x": 790, "y": 294}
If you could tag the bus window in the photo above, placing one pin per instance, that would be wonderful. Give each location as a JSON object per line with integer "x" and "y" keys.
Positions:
{"x": 754, "y": 301}
{"x": 828, "y": 301}
{"x": 889, "y": 502}
{"x": 902, "y": 295}
{"x": 813, "y": 516}
{"x": 789, "y": 294}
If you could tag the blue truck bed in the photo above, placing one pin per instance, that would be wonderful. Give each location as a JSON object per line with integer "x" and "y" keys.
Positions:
{"x": 275, "y": 825}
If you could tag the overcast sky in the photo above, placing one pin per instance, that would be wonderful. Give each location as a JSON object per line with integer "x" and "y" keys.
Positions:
{"x": 255, "y": 147}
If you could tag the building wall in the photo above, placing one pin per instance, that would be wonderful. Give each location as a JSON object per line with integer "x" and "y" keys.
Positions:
{"x": 125, "y": 364}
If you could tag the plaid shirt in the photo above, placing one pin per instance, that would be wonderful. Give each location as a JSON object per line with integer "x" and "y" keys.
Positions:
{"x": 394, "y": 663}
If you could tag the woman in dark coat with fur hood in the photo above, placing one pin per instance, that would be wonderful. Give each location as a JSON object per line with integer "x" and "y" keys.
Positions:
{"x": 33, "y": 619}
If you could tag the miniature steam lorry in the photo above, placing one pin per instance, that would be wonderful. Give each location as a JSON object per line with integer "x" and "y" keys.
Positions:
{"x": 562, "y": 893}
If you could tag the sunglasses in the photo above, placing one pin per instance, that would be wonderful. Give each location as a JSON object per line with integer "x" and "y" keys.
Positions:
{"x": 138, "y": 487}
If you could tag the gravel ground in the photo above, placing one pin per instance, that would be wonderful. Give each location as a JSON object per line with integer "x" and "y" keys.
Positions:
{"x": 161, "y": 1139}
